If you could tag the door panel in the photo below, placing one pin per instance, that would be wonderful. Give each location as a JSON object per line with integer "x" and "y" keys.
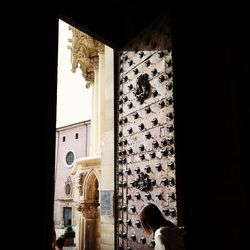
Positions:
{"x": 146, "y": 143}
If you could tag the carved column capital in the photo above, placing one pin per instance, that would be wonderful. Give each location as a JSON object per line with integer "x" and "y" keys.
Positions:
{"x": 89, "y": 210}
{"x": 84, "y": 54}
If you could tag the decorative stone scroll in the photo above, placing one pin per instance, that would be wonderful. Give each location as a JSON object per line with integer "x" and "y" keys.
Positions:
{"x": 84, "y": 54}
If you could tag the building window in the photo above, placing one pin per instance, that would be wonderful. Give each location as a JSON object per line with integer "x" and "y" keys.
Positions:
{"x": 67, "y": 215}
{"x": 64, "y": 138}
{"x": 76, "y": 135}
{"x": 67, "y": 189}
{"x": 70, "y": 157}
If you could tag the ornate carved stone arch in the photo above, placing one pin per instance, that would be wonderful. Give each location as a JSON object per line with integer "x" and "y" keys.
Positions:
{"x": 91, "y": 187}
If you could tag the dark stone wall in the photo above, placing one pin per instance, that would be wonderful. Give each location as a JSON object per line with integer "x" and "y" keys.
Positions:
{"x": 212, "y": 116}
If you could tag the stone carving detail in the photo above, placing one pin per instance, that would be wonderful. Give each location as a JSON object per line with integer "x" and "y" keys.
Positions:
{"x": 89, "y": 210}
{"x": 68, "y": 187}
{"x": 84, "y": 54}
{"x": 80, "y": 183}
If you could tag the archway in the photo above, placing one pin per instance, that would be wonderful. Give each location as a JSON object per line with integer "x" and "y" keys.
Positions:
{"x": 91, "y": 188}
{"x": 90, "y": 211}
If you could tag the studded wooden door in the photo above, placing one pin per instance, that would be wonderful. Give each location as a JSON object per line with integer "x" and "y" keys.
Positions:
{"x": 146, "y": 142}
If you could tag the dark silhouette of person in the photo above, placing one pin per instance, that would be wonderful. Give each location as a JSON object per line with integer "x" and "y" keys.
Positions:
{"x": 166, "y": 234}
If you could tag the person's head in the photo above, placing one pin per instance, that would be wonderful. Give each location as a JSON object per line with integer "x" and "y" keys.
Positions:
{"x": 151, "y": 218}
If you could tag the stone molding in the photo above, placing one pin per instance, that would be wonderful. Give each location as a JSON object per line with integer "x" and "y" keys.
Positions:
{"x": 85, "y": 162}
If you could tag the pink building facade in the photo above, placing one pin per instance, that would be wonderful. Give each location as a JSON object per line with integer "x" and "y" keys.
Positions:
{"x": 72, "y": 142}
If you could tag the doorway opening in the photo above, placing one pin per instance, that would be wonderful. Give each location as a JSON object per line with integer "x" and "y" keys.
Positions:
{"x": 67, "y": 216}
{"x": 84, "y": 169}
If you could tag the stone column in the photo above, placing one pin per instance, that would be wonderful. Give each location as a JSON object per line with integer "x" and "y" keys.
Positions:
{"x": 80, "y": 230}
{"x": 101, "y": 92}
{"x": 90, "y": 213}
{"x": 95, "y": 114}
